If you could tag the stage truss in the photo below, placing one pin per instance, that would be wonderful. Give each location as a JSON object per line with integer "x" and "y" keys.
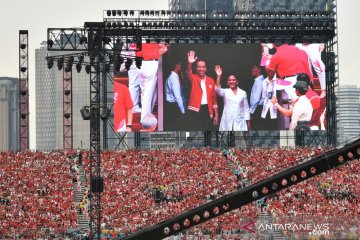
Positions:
{"x": 103, "y": 42}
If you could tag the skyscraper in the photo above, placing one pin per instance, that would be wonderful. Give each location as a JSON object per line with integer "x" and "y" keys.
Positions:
{"x": 348, "y": 112}
{"x": 250, "y": 5}
{"x": 49, "y": 105}
{"x": 9, "y": 117}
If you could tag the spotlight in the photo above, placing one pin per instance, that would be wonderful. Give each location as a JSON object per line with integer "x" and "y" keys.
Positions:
{"x": 71, "y": 59}
{"x": 105, "y": 113}
{"x": 83, "y": 40}
{"x": 106, "y": 40}
{"x": 68, "y": 67}
{"x": 23, "y": 115}
{"x": 67, "y": 115}
{"x": 67, "y": 92}
{"x": 50, "y": 43}
{"x": 81, "y": 58}
{"x": 22, "y": 46}
{"x": 125, "y": 12}
{"x": 108, "y": 13}
{"x": 23, "y": 92}
{"x": 88, "y": 69}
{"x": 113, "y": 12}
{"x": 78, "y": 67}
{"x": 131, "y": 13}
{"x": 60, "y": 63}
{"x": 85, "y": 112}
{"x": 50, "y": 63}
{"x": 23, "y": 69}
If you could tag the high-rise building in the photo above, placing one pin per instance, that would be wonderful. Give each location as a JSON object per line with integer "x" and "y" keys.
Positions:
{"x": 348, "y": 112}
{"x": 9, "y": 117}
{"x": 250, "y": 5}
{"x": 49, "y": 104}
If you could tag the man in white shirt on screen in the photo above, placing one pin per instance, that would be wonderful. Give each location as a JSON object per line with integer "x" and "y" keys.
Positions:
{"x": 302, "y": 110}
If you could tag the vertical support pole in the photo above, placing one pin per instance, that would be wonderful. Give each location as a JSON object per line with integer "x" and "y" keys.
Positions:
{"x": 24, "y": 89}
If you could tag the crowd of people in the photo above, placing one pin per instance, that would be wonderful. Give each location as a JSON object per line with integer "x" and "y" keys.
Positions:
{"x": 142, "y": 188}
{"x": 37, "y": 193}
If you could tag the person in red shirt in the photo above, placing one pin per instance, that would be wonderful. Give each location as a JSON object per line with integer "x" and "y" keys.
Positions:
{"x": 122, "y": 108}
{"x": 202, "y": 106}
{"x": 288, "y": 61}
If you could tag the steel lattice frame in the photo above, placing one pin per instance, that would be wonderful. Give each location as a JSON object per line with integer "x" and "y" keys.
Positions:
{"x": 67, "y": 106}
{"x": 24, "y": 89}
{"x": 254, "y": 27}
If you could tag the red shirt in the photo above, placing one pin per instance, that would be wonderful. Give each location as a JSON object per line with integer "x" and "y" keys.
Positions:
{"x": 289, "y": 60}
{"x": 122, "y": 103}
{"x": 196, "y": 94}
{"x": 149, "y": 51}
{"x": 314, "y": 98}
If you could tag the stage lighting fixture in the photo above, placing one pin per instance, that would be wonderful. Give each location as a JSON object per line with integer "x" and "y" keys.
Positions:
{"x": 118, "y": 12}
{"x": 106, "y": 40}
{"x": 131, "y": 13}
{"x": 81, "y": 58}
{"x": 125, "y": 12}
{"x": 138, "y": 62}
{"x": 108, "y": 13}
{"x": 23, "y": 69}
{"x": 85, "y": 112}
{"x": 67, "y": 115}
{"x": 67, "y": 92}
{"x": 50, "y": 43}
{"x": 60, "y": 63}
{"x": 113, "y": 13}
{"x": 78, "y": 67}
{"x": 147, "y": 13}
{"x": 71, "y": 59}
{"x": 22, "y": 46}
{"x": 83, "y": 40}
{"x": 163, "y": 13}
{"x": 142, "y": 13}
{"x": 105, "y": 113}
{"x": 50, "y": 63}
{"x": 68, "y": 67}
{"x": 23, "y": 116}
{"x": 88, "y": 69}
{"x": 23, "y": 92}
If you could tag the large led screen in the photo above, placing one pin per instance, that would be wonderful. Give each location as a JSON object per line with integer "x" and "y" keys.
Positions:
{"x": 224, "y": 87}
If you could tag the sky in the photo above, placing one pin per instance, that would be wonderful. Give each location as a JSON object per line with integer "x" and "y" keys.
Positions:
{"x": 38, "y": 15}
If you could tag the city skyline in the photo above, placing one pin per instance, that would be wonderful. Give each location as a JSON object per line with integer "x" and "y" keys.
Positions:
{"x": 38, "y": 16}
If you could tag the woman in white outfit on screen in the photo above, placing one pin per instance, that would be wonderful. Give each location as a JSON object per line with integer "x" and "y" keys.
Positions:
{"x": 236, "y": 113}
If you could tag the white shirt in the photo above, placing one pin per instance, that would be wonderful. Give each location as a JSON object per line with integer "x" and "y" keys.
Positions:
{"x": 236, "y": 110}
{"x": 204, "y": 94}
{"x": 302, "y": 111}
{"x": 268, "y": 88}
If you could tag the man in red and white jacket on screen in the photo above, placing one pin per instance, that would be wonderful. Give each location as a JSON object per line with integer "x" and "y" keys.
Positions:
{"x": 202, "y": 107}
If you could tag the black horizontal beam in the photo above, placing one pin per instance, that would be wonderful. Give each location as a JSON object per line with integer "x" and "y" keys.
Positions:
{"x": 235, "y": 200}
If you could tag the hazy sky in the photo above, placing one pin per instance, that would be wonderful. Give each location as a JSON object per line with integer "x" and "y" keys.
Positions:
{"x": 38, "y": 15}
